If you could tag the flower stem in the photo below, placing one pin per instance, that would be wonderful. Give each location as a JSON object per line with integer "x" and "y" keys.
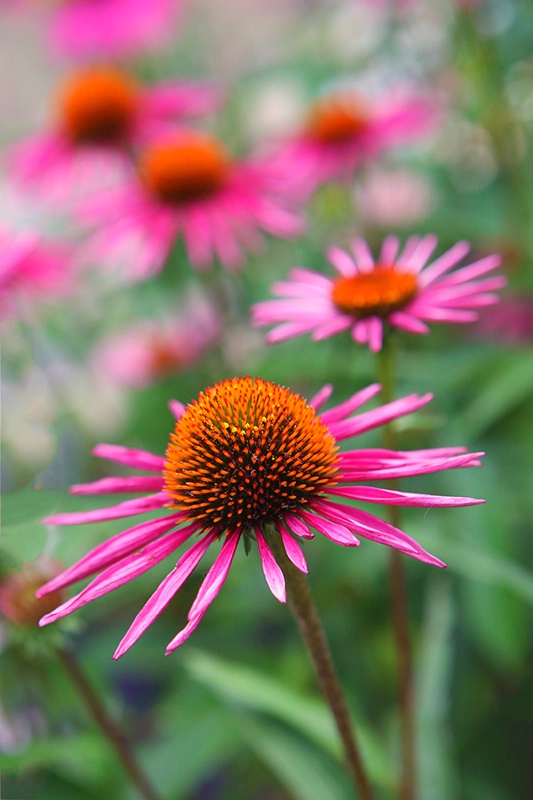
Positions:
{"x": 305, "y": 612}
{"x": 110, "y": 729}
{"x": 398, "y": 590}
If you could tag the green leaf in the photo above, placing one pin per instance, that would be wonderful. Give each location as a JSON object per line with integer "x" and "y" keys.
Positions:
{"x": 509, "y": 384}
{"x": 297, "y": 765}
{"x": 248, "y": 687}
{"x": 433, "y": 687}
{"x": 85, "y": 758}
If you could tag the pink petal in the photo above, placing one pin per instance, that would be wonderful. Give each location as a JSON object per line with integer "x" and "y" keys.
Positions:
{"x": 271, "y": 570}
{"x": 338, "y": 533}
{"x": 342, "y": 262}
{"x": 293, "y": 549}
{"x": 371, "y": 527}
{"x": 391, "y": 497}
{"x": 131, "y": 484}
{"x": 379, "y": 416}
{"x": 357, "y": 400}
{"x": 164, "y": 593}
{"x": 118, "y": 574}
{"x": 126, "y": 509}
{"x": 444, "y": 263}
{"x": 209, "y": 589}
{"x": 139, "y": 459}
{"x": 111, "y": 551}
{"x": 298, "y": 527}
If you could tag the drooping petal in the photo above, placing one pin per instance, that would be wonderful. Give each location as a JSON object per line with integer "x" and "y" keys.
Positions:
{"x": 112, "y": 550}
{"x": 209, "y": 589}
{"x": 271, "y": 569}
{"x": 165, "y": 592}
{"x": 118, "y": 574}
{"x": 293, "y": 549}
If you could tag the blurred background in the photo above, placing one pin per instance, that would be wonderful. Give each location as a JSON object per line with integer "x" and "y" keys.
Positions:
{"x": 235, "y": 712}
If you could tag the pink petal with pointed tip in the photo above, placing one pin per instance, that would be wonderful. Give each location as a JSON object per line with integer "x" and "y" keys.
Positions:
{"x": 164, "y": 593}
{"x": 135, "y": 483}
{"x": 118, "y": 574}
{"x": 208, "y": 590}
{"x": 271, "y": 570}
{"x": 126, "y": 509}
{"x": 390, "y": 497}
{"x": 113, "y": 550}
{"x": 337, "y": 532}
{"x": 139, "y": 459}
{"x": 293, "y": 549}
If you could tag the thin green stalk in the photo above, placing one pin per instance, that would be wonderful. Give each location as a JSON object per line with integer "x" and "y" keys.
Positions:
{"x": 398, "y": 590}
{"x": 304, "y": 610}
{"x": 110, "y": 729}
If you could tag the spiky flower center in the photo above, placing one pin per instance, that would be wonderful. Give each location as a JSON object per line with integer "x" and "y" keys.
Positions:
{"x": 190, "y": 166}
{"x": 337, "y": 119}
{"x": 246, "y": 452}
{"x": 377, "y": 293}
{"x": 97, "y": 106}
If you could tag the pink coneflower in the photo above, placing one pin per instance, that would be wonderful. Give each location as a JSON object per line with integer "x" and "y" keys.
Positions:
{"x": 249, "y": 459}
{"x": 31, "y": 270}
{"x": 151, "y": 350}
{"x": 399, "y": 289}
{"x": 101, "y": 115}
{"x": 82, "y": 29}
{"x": 188, "y": 185}
{"x": 344, "y": 128}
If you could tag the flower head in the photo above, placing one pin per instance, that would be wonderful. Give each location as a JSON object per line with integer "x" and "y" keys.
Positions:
{"x": 398, "y": 288}
{"x": 150, "y": 350}
{"x": 31, "y": 268}
{"x": 344, "y": 128}
{"x": 249, "y": 459}
{"x": 100, "y": 117}
{"x": 188, "y": 184}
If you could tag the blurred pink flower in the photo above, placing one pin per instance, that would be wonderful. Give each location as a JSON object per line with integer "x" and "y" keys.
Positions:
{"x": 398, "y": 289}
{"x": 88, "y": 29}
{"x": 391, "y": 197}
{"x": 344, "y": 128}
{"x": 511, "y": 321}
{"x": 249, "y": 459}
{"x": 151, "y": 350}
{"x": 101, "y": 115}
{"x": 189, "y": 185}
{"x": 31, "y": 269}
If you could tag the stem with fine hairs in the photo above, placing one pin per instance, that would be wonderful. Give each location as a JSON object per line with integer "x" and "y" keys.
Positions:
{"x": 305, "y": 612}
{"x": 107, "y": 725}
{"x": 398, "y": 591}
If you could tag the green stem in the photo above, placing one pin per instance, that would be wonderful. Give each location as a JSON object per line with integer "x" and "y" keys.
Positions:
{"x": 110, "y": 729}
{"x": 398, "y": 589}
{"x": 305, "y": 612}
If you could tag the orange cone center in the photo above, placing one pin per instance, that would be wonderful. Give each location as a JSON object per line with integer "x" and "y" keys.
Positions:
{"x": 192, "y": 166}
{"x": 97, "y": 106}
{"x": 377, "y": 293}
{"x": 246, "y": 452}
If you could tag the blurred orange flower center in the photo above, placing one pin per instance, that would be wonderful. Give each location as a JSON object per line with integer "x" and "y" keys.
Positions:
{"x": 191, "y": 166}
{"x": 377, "y": 293}
{"x": 246, "y": 452}
{"x": 97, "y": 106}
{"x": 338, "y": 119}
